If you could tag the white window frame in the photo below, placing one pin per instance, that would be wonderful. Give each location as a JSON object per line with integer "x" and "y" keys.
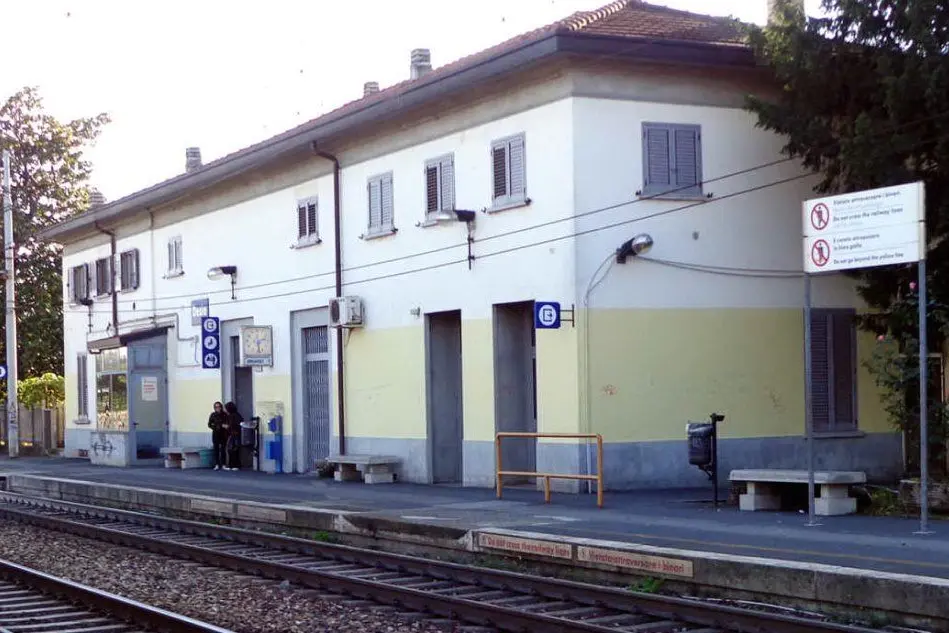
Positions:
{"x": 129, "y": 275}
{"x": 514, "y": 192}
{"x": 75, "y": 297}
{"x": 376, "y": 188}
{"x": 444, "y": 169}
{"x": 308, "y": 226}
{"x": 110, "y": 277}
{"x": 175, "y": 257}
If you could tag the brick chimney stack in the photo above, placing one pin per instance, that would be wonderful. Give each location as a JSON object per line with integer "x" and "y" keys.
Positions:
{"x": 192, "y": 159}
{"x": 421, "y": 62}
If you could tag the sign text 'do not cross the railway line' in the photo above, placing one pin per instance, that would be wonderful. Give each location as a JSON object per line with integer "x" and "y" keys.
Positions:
{"x": 866, "y": 229}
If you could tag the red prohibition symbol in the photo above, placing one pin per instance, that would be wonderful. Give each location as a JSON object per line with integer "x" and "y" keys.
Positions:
{"x": 820, "y": 253}
{"x": 820, "y": 216}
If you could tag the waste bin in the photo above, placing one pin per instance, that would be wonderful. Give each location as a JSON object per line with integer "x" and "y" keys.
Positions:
{"x": 249, "y": 433}
{"x": 700, "y": 443}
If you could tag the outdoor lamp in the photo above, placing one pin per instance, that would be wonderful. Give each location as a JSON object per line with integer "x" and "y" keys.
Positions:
{"x": 631, "y": 248}
{"x": 221, "y": 271}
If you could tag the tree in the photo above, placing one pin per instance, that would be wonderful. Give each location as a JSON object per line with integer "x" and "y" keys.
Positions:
{"x": 49, "y": 178}
{"x": 863, "y": 101}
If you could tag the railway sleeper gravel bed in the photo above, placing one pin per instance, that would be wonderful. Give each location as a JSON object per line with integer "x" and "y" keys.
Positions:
{"x": 35, "y": 602}
{"x": 494, "y": 599}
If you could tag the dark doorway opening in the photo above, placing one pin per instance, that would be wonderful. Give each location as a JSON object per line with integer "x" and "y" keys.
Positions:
{"x": 444, "y": 395}
{"x": 515, "y": 392}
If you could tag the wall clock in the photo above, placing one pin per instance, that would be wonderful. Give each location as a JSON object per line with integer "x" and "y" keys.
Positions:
{"x": 256, "y": 346}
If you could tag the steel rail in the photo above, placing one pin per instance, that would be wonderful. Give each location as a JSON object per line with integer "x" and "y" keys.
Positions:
{"x": 22, "y": 611}
{"x": 426, "y": 587}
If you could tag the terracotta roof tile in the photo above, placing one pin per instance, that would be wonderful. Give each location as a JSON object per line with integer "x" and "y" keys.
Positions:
{"x": 637, "y": 19}
{"x": 632, "y": 19}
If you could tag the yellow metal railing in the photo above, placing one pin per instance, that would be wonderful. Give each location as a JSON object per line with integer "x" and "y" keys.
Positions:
{"x": 499, "y": 473}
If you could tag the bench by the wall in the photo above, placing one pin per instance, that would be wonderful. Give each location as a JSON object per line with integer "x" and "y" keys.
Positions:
{"x": 371, "y": 469}
{"x": 834, "y": 486}
{"x": 187, "y": 457}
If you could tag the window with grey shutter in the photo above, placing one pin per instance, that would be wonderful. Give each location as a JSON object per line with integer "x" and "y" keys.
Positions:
{"x": 381, "y": 204}
{"x": 307, "y": 229}
{"x": 175, "y": 256}
{"x": 79, "y": 283}
{"x": 509, "y": 171}
{"x": 104, "y": 280}
{"x": 82, "y": 378}
{"x": 833, "y": 370}
{"x": 128, "y": 270}
{"x": 672, "y": 160}
{"x": 440, "y": 184}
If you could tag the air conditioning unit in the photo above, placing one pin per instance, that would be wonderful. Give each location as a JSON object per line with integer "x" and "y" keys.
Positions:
{"x": 346, "y": 312}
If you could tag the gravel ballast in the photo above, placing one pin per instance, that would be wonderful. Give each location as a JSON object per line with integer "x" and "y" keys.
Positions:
{"x": 244, "y": 604}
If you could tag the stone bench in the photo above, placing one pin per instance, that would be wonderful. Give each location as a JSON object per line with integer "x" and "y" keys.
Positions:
{"x": 834, "y": 486}
{"x": 374, "y": 469}
{"x": 187, "y": 457}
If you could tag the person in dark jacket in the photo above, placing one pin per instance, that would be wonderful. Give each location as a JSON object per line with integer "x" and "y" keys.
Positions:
{"x": 234, "y": 420}
{"x": 217, "y": 422}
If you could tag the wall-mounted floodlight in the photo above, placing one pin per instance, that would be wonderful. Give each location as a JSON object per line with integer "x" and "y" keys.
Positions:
{"x": 465, "y": 216}
{"x": 631, "y": 248}
{"x": 225, "y": 271}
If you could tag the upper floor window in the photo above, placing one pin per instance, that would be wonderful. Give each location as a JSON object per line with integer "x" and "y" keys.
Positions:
{"x": 440, "y": 185}
{"x": 128, "y": 270}
{"x": 508, "y": 172}
{"x": 104, "y": 276}
{"x": 381, "y": 219}
{"x": 175, "y": 260}
{"x": 307, "y": 227}
{"x": 672, "y": 160}
{"x": 79, "y": 283}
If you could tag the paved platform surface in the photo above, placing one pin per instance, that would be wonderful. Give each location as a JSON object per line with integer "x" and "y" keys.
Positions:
{"x": 677, "y": 519}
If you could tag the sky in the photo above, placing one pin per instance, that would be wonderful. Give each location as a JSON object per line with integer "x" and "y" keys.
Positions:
{"x": 222, "y": 75}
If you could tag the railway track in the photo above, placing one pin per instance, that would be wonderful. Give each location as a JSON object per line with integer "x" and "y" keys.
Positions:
{"x": 471, "y": 596}
{"x": 34, "y": 602}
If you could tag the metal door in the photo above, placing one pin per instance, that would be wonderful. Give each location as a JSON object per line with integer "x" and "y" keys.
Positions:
{"x": 148, "y": 395}
{"x": 317, "y": 417}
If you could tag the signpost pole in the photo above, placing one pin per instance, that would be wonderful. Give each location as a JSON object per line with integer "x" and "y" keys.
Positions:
{"x": 13, "y": 429}
{"x": 808, "y": 402}
{"x": 923, "y": 402}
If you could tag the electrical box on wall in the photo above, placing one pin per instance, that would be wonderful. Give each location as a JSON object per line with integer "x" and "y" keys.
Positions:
{"x": 346, "y": 312}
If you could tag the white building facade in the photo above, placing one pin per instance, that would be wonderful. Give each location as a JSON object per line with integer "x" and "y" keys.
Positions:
{"x": 465, "y": 196}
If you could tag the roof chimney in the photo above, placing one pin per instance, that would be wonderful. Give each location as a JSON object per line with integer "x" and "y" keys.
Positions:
{"x": 96, "y": 199}
{"x": 192, "y": 159}
{"x": 421, "y": 62}
{"x": 370, "y": 88}
{"x": 776, "y": 7}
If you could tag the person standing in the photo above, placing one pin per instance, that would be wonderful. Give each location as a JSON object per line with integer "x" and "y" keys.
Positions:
{"x": 217, "y": 422}
{"x": 234, "y": 420}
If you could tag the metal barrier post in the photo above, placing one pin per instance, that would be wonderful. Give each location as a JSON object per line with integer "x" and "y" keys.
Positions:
{"x": 497, "y": 463}
{"x": 545, "y": 478}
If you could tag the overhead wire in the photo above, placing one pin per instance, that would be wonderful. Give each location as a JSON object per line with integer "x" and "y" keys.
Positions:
{"x": 545, "y": 224}
{"x": 488, "y": 255}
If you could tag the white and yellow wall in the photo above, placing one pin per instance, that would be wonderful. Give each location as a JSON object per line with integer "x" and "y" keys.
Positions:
{"x": 653, "y": 346}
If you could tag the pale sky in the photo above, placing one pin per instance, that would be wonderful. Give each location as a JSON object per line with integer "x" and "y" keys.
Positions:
{"x": 221, "y": 75}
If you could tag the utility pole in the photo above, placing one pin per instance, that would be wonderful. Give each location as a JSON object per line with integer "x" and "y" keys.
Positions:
{"x": 9, "y": 248}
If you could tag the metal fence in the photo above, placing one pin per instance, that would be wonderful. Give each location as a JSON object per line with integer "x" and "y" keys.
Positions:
{"x": 42, "y": 431}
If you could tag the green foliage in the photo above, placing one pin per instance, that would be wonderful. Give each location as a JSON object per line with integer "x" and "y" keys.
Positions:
{"x": 862, "y": 99}
{"x": 47, "y": 391}
{"x": 49, "y": 178}
{"x": 894, "y": 365}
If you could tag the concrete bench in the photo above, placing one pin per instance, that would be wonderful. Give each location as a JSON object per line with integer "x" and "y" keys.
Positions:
{"x": 834, "y": 485}
{"x": 187, "y": 457}
{"x": 375, "y": 469}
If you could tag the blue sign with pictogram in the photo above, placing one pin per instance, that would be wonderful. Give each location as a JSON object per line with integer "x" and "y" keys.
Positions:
{"x": 210, "y": 343}
{"x": 546, "y": 315}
